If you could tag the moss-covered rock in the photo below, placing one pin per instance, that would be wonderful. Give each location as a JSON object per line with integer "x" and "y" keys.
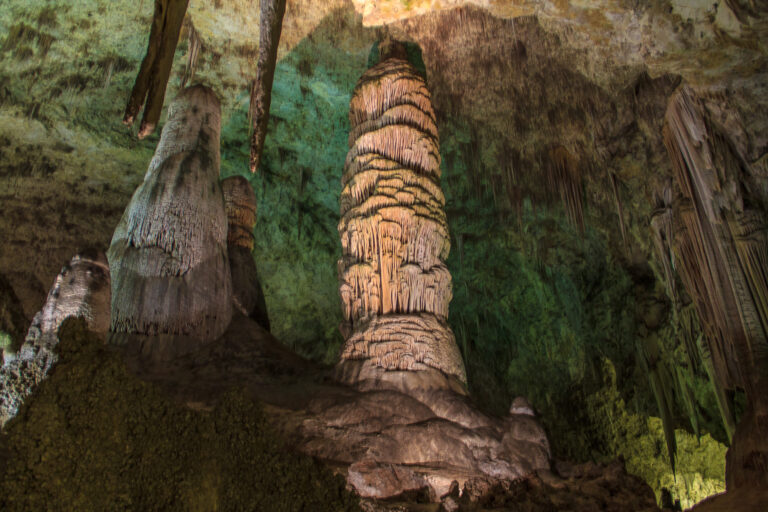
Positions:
{"x": 700, "y": 468}
{"x": 94, "y": 437}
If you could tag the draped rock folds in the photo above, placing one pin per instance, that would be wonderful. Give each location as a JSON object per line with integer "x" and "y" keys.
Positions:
{"x": 171, "y": 284}
{"x": 394, "y": 285}
{"x": 721, "y": 242}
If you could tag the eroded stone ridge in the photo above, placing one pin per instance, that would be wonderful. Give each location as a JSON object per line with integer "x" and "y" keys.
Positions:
{"x": 247, "y": 294}
{"x": 80, "y": 290}
{"x": 171, "y": 280}
{"x": 394, "y": 285}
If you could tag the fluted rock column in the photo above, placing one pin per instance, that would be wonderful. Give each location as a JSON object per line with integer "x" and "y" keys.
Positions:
{"x": 394, "y": 285}
{"x": 171, "y": 283}
{"x": 247, "y": 294}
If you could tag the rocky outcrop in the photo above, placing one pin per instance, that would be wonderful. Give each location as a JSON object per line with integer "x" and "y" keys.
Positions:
{"x": 171, "y": 280}
{"x": 247, "y": 294}
{"x": 80, "y": 290}
{"x": 394, "y": 285}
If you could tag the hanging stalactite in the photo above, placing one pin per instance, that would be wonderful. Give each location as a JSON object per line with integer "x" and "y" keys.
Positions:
{"x": 661, "y": 226}
{"x": 619, "y": 207}
{"x": 564, "y": 179}
{"x": 721, "y": 242}
{"x": 271, "y": 25}
{"x": 155, "y": 70}
{"x": 195, "y": 44}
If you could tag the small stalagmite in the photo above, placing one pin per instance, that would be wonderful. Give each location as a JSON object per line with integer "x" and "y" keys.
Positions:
{"x": 394, "y": 285}
{"x": 80, "y": 290}
{"x": 247, "y": 294}
{"x": 171, "y": 283}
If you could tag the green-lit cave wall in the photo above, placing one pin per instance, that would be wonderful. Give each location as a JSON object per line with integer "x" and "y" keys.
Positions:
{"x": 540, "y": 308}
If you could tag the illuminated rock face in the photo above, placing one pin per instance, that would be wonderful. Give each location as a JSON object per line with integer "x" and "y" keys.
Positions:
{"x": 394, "y": 285}
{"x": 171, "y": 281}
{"x": 247, "y": 295}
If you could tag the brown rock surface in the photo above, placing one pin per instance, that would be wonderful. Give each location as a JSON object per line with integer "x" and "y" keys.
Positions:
{"x": 247, "y": 294}
{"x": 385, "y": 441}
{"x": 170, "y": 271}
{"x": 394, "y": 285}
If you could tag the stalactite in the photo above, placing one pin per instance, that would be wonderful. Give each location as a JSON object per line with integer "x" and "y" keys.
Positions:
{"x": 619, "y": 207}
{"x": 193, "y": 52}
{"x": 661, "y": 225}
{"x": 171, "y": 283}
{"x": 270, "y": 26}
{"x": 394, "y": 284}
{"x": 247, "y": 294}
{"x": 155, "y": 69}
{"x": 723, "y": 401}
{"x": 564, "y": 178}
{"x": 722, "y": 244}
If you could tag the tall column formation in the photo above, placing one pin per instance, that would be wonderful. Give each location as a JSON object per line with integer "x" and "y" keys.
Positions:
{"x": 394, "y": 285}
{"x": 247, "y": 294}
{"x": 171, "y": 283}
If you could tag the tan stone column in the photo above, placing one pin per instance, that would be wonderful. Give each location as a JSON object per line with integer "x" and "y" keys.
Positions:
{"x": 394, "y": 285}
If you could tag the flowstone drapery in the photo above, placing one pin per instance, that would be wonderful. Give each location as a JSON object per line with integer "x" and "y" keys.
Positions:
{"x": 394, "y": 285}
{"x": 247, "y": 294}
{"x": 720, "y": 243}
{"x": 171, "y": 283}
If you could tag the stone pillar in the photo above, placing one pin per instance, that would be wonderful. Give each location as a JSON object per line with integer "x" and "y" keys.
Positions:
{"x": 171, "y": 283}
{"x": 394, "y": 285}
{"x": 247, "y": 295}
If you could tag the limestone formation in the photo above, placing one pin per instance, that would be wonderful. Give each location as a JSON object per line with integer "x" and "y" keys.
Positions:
{"x": 247, "y": 294}
{"x": 155, "y": 70}
{"x": 171, "y": 280}
{"x": 80, "y": 290}
{"x": 721, "y": 242}
{"x": 270, "y": 26}
{"x": 394, "y": 285}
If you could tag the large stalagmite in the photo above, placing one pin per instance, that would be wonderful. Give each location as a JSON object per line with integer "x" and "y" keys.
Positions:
{"x": 394, "y": 285}
{"x": 247, "y": 294}
{"x": 171, "y": 284}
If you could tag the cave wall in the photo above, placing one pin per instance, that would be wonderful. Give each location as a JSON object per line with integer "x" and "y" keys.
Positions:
{"x": 541, "y": 307}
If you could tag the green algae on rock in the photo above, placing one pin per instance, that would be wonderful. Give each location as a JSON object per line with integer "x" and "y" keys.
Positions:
{"x": 94, "y": 437}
